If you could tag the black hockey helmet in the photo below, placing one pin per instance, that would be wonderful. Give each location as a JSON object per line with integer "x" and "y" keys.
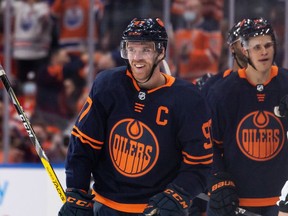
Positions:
{"x": 256, "y": 27}
{"x": 151, "y": 29}
{"x": 253, "y": 28}
{"x": 234, "y": 33}
{"x": 233, "y": 36}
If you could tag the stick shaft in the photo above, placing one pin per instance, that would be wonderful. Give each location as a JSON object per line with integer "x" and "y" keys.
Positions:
{"x": 166, "y": 67}
{"x": 32, "y": 135}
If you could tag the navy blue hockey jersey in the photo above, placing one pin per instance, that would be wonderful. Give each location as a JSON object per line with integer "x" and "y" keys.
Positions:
{"x": 136, "y": 141}
{"x": 214, "y": 79}
{"x": 250, "y": 142}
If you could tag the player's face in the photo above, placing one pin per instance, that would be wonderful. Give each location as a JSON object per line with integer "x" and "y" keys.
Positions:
{"x": 141, "y": 56}
{"x": 237, "y": 49}
{"x": 261, "y": 52}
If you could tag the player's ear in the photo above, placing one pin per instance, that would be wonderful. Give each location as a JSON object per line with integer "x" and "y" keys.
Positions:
{"x": 232, "y": 49}
{"x": 244, "y": 51}
{"x": 162, "y": 54}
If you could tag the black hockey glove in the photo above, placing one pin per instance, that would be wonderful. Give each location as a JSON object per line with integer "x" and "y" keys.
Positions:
{"x": 283, "y": 201}
{"x": 283, "y": 106}
{"x": 200, "y": 82}
{"x": 223, "y": 196}
{"x": 78, "y": 203}
{"x": 174, "y": 201}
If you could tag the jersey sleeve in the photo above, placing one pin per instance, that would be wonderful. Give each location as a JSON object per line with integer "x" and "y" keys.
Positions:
{"x": 86, "y": 142}
{"x": 195, "y": 140}
{"x": 218, "y": 127}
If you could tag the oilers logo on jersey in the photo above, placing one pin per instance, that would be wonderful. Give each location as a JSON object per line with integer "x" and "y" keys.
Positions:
{"x": 133, "y": 147}
{"x": 260, "y": 135}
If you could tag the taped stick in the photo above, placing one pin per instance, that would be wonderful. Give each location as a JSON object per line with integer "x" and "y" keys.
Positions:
{"x": 32, "y": 135}
{"x": 238, "y": 211}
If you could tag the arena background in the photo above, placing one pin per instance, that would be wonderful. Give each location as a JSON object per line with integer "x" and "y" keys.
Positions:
{"x": 25, "y": 187}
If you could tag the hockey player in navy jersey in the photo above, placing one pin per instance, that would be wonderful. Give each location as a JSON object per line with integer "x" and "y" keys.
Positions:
{"x": 249, "y": 139}
{"x": 142, "y": 135}
{"x": 239, "y": 59}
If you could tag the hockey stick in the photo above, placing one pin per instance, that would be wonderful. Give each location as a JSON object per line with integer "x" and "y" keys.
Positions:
{"x": 238, "y": 210}
{"x": 166, "y": 67}
{"x": 32, "y": 135}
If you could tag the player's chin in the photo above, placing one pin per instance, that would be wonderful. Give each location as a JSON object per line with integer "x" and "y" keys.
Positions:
{"x": 140, "y": 73}
{"x": 141, "y": 78}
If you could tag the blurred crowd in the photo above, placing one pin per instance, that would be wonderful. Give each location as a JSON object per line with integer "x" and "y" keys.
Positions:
{"x": 50, "y": 58}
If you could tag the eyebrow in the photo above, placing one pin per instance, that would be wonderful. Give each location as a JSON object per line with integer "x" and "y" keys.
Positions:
{"x": 150, "y": 45}
{"x": 260, "y": 43}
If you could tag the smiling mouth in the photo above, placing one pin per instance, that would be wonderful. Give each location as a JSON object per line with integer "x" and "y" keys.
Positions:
{"x": 139, "y": 65}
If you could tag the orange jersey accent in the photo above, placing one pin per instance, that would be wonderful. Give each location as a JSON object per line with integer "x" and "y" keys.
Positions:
{"x": 247, "y": 202}
{"x": 124, "y": 207}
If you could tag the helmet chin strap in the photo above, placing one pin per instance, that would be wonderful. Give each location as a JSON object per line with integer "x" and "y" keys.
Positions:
{"x": 237, "y": 60}
{"x": 151, "y": 72}
{"x": 250, "y": 62}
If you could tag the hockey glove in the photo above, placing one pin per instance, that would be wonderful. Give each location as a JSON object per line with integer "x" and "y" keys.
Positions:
{"x": 283, "y": 106}
{"x": 174, "y": 201}
{"x": 223, "y": 197}
{"x": 78, "y": 203}
{"x": 283, "y": 201}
